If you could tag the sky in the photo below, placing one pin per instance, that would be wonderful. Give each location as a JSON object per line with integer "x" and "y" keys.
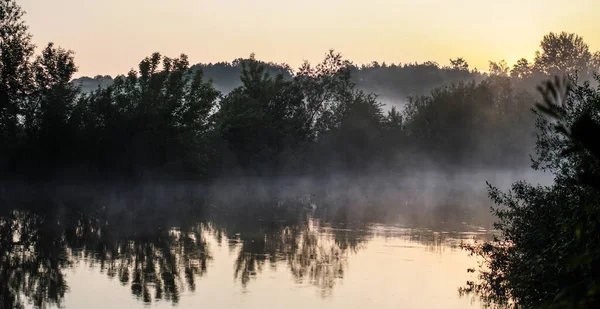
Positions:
{"x": 112, "y": 36}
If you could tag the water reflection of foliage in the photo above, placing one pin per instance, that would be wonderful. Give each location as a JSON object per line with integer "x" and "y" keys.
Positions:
{"x": 32, "y": 256}
{"x": 160, "y": 253}
{"x": 313, "y": 253}
{"x": 158, "y": 264}
{"x": 318, "y": 258}
{"x": 35, "y": 250}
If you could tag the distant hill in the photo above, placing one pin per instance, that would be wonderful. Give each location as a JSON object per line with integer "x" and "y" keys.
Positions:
{"x": 393, "y": 83}
{"x": 92, "y": 83}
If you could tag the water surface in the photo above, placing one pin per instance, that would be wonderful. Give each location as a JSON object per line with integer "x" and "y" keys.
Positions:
{"x": 72, "y": 257}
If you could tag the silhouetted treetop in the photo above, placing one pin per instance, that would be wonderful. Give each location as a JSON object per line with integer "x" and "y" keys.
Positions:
{"x": 563, "y": 53}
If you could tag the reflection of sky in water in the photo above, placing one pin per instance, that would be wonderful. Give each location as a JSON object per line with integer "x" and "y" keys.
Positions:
{"x": 139, "y": 253}
{"x": 393, "y": 268}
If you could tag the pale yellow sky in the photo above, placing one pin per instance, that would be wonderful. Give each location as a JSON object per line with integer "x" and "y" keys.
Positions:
{"x": 112, "y": 36}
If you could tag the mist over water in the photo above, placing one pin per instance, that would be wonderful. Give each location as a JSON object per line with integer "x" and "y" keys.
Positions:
{"x": 162, "y": 245}
{"x": 434, "y": 196}
{"x": 252, "y": 242}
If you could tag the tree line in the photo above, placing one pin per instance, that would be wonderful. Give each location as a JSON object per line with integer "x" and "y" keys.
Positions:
{"x": 168, "y": 120}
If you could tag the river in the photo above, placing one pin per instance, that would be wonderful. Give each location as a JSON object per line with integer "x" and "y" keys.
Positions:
{"x": 58, "y": 253}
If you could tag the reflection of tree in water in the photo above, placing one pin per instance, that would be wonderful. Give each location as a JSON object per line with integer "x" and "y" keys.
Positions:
{"x": 158, "y": 252}
{"x": 32, "y": 256}
{"x": 314, "y": 253}
{"x": 158, "y": 262}
{"x": 155, "y": 260}
{"x": 318, "y": 258}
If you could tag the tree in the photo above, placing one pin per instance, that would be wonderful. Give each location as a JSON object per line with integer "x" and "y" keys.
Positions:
{"x": 499, "y": 68}
{"x": 360, "y": 131}
{"x": 324, "y": 87}
{"x": 595, "y": 62}
{"x": 16, "y": 51}
{"x": 459, "y": 64}
{"x": 562, "y": 53}
{"x": 48, "y": 107}
{"x": 454, "y": 124}
{"x": 150, "y": 121}
{"x": 261, "y": 120}
{"x": 546, "y": 254}
{"x": 522, "y": 69}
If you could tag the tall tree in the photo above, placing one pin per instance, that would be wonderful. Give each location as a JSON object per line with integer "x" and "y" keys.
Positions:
{"x": 262, "y": 119}
{"x": 499, "y": 68}
{"x": 16, "y": 51}
{"x": 522, "y": 69}
{"x": 48, "y": 107}
{"x": 562, "y": 53}
{"x": 325, "y": 86}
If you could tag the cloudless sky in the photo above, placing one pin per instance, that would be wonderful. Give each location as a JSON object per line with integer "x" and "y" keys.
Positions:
{"x": 112, "y": 36}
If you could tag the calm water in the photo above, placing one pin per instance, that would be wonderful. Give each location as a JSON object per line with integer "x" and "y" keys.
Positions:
{"x": 74, "y": 258}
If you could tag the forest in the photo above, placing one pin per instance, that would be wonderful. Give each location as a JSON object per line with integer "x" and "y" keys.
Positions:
{"x": 170, "y": 120}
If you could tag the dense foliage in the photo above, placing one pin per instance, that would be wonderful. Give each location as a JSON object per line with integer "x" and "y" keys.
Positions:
{"x": 168, "y": 119}
{"x": 547, "y": 254}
